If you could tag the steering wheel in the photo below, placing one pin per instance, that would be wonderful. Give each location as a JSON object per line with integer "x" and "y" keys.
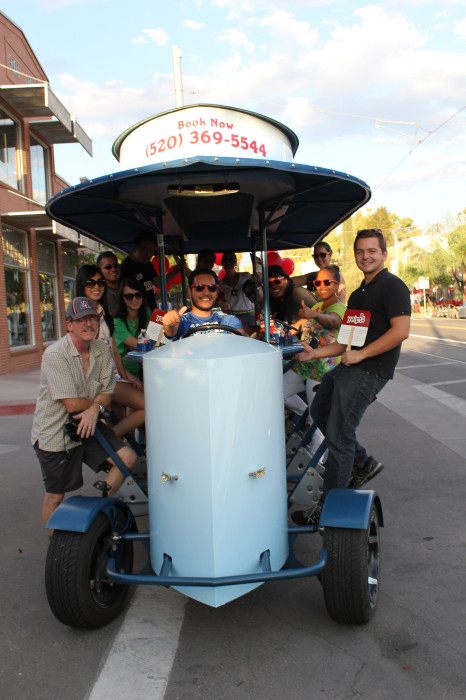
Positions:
{"x": 211, "y": 327}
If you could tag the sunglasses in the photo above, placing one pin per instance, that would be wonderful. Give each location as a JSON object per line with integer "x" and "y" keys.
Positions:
{"x": 111, "y": 266}
{"x": 200, "y": 287}
{"x": 94, "y": 283}
{"x": 320, "y": 255}
{"x": 327, "y": 283}
{"x": 276, "y": 280}
{"x": 375, "y": 231}
{"x": 130, "y": 296}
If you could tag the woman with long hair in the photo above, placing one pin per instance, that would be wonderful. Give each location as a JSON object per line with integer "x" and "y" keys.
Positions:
{"x": 286, "y": 299}
{"x": 128, "y": 389}
{"x": 132, "y": 316}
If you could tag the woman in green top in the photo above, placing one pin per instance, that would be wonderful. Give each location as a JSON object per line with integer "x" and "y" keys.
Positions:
{"x": 131, "y": 317}
{"x": 323, "y": 321}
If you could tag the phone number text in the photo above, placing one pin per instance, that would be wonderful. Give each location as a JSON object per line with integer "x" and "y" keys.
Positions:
{"x": 216, "y": 138}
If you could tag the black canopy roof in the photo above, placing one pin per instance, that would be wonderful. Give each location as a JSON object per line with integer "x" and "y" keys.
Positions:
{"x": 212, "y": 202}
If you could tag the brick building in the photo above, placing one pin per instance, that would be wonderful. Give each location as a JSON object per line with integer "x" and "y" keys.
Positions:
{"x": 37, "y": 255}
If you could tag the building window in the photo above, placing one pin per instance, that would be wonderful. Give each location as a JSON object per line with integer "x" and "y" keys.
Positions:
{"x": 39, "y": 171}
{"x": 47, "y": 289}
{"x": 8, "y": 147}
{"x": 69, "y": 274}
{"x": 14, "y": 65}
{"x": 16, "y": 266}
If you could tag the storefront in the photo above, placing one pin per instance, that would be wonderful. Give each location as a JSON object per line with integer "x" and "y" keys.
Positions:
{"x": 38, "y": 257}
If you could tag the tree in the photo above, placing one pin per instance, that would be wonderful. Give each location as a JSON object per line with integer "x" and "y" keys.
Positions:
{"x": 389, "y": 222}
{"x": 350, "y": 271}
{"x": 443, "y": 261}
{"x": 457, "y": 251}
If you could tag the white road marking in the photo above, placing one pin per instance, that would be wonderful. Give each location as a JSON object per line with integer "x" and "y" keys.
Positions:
{"x": 429, "y": 364}
{"x": 442, "y": 416}
{"x": 450, "y": 381}
{"x": 438, "y": 340}
{"x": 453, "y": 402}
{"x": 8, "y": 448}
{"x": 141, "y": 658}
{"x": 430, "y": 354}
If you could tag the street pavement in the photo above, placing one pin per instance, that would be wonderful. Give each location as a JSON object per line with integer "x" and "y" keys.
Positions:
{"x": 18, "y": 392}
{"x": 278, "y": 641}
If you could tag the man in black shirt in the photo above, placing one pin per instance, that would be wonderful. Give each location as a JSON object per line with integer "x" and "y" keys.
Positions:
{"x": 347, "y": 390}
{"x": 138, "y": 266}
{"x": 109, "y": 266}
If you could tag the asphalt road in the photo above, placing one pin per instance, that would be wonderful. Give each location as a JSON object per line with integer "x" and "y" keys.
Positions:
{"x": 278, "y": 641}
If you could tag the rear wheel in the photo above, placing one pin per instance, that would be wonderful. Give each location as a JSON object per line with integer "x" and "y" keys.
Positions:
{"x": 351, "y": 577}
{"x": 78, "y": 589}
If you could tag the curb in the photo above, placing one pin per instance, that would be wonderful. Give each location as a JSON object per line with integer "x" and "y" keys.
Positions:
{"x": 23, "y": 409}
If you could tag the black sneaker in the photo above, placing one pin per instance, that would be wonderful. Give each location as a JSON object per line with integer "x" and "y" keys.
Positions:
{"x": 311, "y": 516}
{"x": 361, "y": 476}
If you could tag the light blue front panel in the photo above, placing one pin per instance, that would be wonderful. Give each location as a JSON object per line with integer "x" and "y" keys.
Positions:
{"x": 214, "y": 413}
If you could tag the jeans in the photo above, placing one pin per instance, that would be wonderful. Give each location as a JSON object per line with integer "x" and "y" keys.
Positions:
{"x": 293, "y": 384}
{"x": 338, "y": 406}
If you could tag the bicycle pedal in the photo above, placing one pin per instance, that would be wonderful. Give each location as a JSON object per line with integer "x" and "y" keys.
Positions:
{"x": 103, "y": 487}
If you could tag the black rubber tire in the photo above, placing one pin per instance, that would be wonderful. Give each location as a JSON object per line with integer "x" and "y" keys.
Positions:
{"x": 211, "y": 327}
{"x": 351, "y": 577}
{"x": 78, "y": 591}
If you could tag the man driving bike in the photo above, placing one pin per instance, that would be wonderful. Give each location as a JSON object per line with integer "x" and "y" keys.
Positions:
{"x": 203, "y": 292}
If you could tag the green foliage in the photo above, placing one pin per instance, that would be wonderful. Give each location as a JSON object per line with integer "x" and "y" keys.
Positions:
{"x": 444, "y": 259}
{"x": 349, "y": 269}
{"x": 389, "y": 222}
{"x": 82, "y": 258}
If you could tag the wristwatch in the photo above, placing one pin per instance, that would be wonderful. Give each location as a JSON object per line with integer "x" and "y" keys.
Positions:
{"x": 101, "y": 408}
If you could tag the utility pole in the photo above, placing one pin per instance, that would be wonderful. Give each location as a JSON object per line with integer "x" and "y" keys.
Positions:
{"x": 176, "y": 55}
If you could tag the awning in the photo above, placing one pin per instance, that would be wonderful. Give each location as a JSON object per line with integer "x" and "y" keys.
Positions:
{"x": 28, "y": 219}
{"x": 212, "y": 202}
{"x": 41, "y": 221}
{"x": 53, "y": 131}
{"x": 32, "y": 101}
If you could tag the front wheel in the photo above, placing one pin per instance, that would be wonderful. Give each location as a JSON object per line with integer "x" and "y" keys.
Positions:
{"x": 351, "y": 577}
{"x": 78, "y": 589}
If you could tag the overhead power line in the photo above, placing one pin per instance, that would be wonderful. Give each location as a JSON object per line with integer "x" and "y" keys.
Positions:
{"x": 413, "y": 148}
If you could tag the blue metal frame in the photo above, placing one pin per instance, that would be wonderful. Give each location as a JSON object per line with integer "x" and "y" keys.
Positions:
{"x": 347, "y": 508}
{"x": 164, "y": 579}
{"x": 77, "y": 513}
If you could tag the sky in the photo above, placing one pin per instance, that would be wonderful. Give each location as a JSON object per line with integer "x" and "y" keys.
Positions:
{"x": 374, "y": 90}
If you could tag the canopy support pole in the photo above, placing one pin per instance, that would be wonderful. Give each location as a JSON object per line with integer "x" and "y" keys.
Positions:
{"x": 162, "y": 275}
{"x": 183, "y": 275}
{"x": 265, "y": 273}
